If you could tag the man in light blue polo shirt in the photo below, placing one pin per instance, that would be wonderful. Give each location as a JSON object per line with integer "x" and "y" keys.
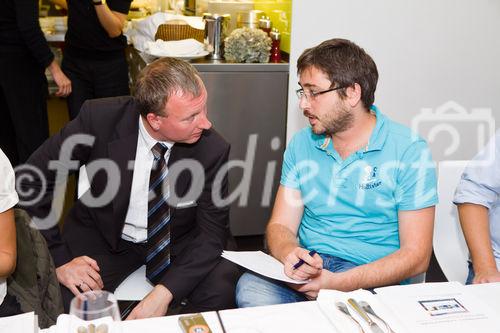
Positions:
{"x": 356, "y": 187}
{"x": 478, "y": 200}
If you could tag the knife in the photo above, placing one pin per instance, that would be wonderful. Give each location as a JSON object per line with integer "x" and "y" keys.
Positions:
{"x": 373, "y": 325}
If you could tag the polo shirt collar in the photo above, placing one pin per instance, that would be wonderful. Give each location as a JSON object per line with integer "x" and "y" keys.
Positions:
{"x": 379, "y": 133}
{"x": 377, "y": 139}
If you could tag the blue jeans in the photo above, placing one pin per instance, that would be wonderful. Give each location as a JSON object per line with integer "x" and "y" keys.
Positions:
{"x": 471, "y": 274}
{"x": 255, "y": 290}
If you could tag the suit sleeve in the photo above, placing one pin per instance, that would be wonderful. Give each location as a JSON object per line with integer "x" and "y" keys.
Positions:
{"x": 204, "y": 252}
{"x": 44, "y": 178}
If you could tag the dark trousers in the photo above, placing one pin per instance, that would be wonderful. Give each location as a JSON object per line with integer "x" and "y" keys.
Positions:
{"x": 9, "y": 306}
{"x": 215, "y": 292}
{"x": 23, "y": 107}
{"x": 94, "y": 79}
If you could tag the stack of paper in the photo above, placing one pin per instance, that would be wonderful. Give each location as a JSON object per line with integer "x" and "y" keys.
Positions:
{"x": 70, "y": 323}
{"x": 423, "y": 308}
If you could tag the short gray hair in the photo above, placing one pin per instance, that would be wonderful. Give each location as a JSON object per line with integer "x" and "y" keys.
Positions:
{"x": 161, "y": 79}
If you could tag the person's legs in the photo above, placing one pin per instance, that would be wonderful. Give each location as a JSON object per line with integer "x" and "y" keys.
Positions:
{"x": 26, "y": 99}
{"x": 336, "y": 264}
{"x": 257, "y": 290}
{"x": 10, "y": 306}
{"x": 470, "y": 275}
{"x": 114, "y": 268}
{"x": 79, "y": 71}
{"x": 110, "y": 77}
{"x": 215, "y": 291}
{"x": 7, "y": 134}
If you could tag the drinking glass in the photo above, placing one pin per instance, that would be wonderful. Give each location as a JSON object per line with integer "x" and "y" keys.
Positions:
{"x": 94, "y": 308}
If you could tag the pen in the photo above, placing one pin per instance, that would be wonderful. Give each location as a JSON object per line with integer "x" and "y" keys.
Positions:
{"x": 301, "y": 262}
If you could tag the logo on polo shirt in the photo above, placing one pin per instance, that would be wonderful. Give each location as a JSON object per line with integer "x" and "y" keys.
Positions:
{"x": 370, "y": 180}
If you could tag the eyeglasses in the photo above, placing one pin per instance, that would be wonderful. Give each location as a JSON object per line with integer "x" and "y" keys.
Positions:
{"x": 311, "y": 95}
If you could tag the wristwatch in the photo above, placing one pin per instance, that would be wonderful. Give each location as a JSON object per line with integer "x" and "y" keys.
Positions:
{"x": 97, "y": 2}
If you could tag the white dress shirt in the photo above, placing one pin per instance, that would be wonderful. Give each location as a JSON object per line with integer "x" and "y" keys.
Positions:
{"x": 8, "y": 199}
{"x": 480, "y": 184}
{"x": 135, "y": 228}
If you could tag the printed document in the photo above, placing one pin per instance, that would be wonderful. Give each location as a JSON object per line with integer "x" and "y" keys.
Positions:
{"x": 260, "y": 263}
{"x": 439, "y": 307}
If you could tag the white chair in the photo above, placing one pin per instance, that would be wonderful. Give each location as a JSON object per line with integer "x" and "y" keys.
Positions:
{"x": 135, "y": 287}
{"x": 449, "y": 244}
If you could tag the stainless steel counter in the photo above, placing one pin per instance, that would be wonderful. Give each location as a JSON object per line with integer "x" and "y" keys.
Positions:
{"x": 206, "y": 65}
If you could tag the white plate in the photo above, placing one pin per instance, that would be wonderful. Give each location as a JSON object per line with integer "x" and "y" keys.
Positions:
{"x": 184, "y": 57}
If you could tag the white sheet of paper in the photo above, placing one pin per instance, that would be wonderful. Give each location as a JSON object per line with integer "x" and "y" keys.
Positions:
{"x": 487, "y": 292}
{"x": 439, "y": 307}
{"x": 260, "y": 263}
{"x": 300, "y": 317}
{"x": 26, "y": 322}
{"x": 327, "y": 300}
{"x": 167, "y": 324}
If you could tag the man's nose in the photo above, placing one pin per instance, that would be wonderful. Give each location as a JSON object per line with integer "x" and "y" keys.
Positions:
{"x": 204, "y": 122}
{"x": 303, "y": 102}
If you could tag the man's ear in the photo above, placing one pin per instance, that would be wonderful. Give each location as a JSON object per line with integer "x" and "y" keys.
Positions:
{"x": 153, "y": 121}
{"x": 353, "y": 94}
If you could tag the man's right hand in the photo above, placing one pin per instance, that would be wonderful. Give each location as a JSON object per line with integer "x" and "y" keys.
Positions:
{"x": 312, "y": 265}
{"x": 487, "y": 277}
{"x": 80, "y": 274}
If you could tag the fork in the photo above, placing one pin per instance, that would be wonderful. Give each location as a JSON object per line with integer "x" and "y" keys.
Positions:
{"x": 369, "y": 310}
{"x": 343, "y": 308}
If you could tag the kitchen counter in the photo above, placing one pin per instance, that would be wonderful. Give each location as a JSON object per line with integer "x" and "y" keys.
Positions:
{"x": 208, "y": 65}
{"x": 138, "y": 61}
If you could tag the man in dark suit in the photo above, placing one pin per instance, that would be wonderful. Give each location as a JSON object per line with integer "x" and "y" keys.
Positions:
{"x": 156, "y": 182}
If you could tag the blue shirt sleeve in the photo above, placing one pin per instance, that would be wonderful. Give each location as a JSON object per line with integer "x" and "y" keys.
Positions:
{"x": 416, "y": 186}
{"x": 289, "y": 172}
{"x": 480, "y": 182}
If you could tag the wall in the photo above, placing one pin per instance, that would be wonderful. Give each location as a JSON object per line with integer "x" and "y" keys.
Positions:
{"x": 428, "y": 52}
{"x": 280, "y": 13}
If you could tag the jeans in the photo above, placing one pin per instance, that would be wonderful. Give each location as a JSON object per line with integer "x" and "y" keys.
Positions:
{"x": 256, "y": 290}
{"x": 471, "y": 274}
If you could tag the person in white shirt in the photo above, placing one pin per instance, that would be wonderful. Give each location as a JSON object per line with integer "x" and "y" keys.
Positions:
{"x": 8, "y": 198}
{"x": 478, "y": 200}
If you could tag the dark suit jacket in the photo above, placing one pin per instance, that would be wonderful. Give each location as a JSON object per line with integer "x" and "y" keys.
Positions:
{"x": 198, "y": 233}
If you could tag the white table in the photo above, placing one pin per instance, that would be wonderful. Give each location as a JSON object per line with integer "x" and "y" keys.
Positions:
{"x": 295, "y": 317}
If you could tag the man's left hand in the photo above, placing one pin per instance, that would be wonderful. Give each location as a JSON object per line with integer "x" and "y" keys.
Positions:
{"x": 155, "y": 304}
{"x": 311, "y": 289}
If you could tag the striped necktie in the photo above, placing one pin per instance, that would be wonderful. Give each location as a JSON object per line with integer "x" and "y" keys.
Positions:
{"x": 158, "y": 249}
